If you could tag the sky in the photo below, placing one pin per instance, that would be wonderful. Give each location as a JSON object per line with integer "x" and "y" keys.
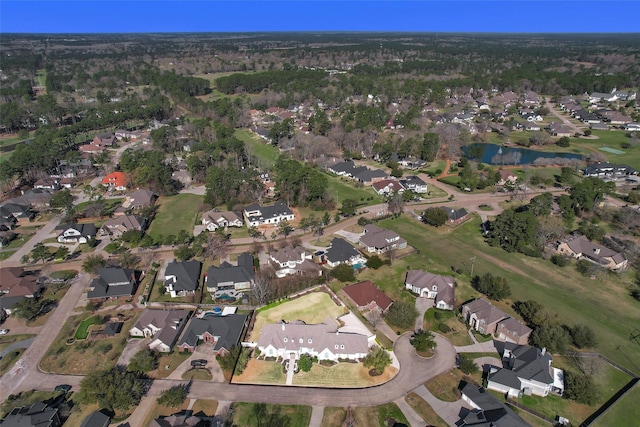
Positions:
{"x": 122, "y": 16}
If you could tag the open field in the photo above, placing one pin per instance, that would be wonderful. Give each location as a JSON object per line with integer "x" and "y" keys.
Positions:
{"x": 313, "y": 308}
{"x": 244, "y": 414}
{"x": 445, "y": 386}
{"x": 574, "y": 298}
{"x": 624, "y": 413}
{"x": 342, "y": 189}
{"x": 262, "y": 372}
{"x": 265, "y": 155}
{"x": 457, "y": 329}
{"x": 175, "y": 213}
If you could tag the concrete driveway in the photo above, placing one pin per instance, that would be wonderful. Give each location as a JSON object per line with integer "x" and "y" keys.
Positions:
{"x": 481, "y": 347}
{"x": 205, "y": 352}
{"x": 448, "y": 411}
{"x": 133, "y": 346}
{"x": 422, "y": 305}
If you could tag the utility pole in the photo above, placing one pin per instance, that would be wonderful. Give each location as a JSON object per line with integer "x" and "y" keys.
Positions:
{"x": 473, "y": 261}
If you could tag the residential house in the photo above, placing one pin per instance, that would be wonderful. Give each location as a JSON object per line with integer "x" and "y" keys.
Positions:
{"x": 378, "y": 240}
{"x": 75, "y": 233}
{"x": 16, "y": 284}
{"x": 227, "y": 278}
{"x": 48, "y": 183}
{"x": 507, "y": 177}
{"x": 433, "y": 286}
{"x": 488, "y": 410}
{"x": 367, "y": 296}
{"x": 113, "y": 282}
{"x": 36, "y": 198}
{"x": 223, "y": 332}
{"x": 527, "y": 370}
{"x": 91, "y": 148}
{"x": 609, "y": 171}
{"x": 456, "y": 216}
{"x": 178, "y": 420}
{"x": 117, "y": 181}
{"x": 370, "y": 176}
{"x": 105, "y": 139}
{"x": 182, "y": 278}
{"x": 596, "y": 97}
{"x": 323, "y": 340}
{"x": 579, "y": 247}
{"x": 290, "y": 260}
{"x": 486, "y": 318}
{"x": 20, "y": 211}
{"x": 256, "y": 215}
{"x": 7, "y": 220}
{"x": 96, "y": 419}
{"x": 139, "y": 199}
{"x": 344, "y": 168}
{"x": 341, "y": 252}
{"x": 115, "y": 227}
{"x": 558, "y": 129}
{"x": 162, "y": 327}
{"x": 38, "y": 414}
{"x": 387, "y": 186}
{"x": 531, "y": 126}
{"x": 6, "y": 237}
{"x": 411, "y": 163}
{"x": 632, "y": 127}
{"x": 414, "y": 183}
{"x": 214, "y": 219}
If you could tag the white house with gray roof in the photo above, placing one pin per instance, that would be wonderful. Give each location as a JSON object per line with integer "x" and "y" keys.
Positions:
{"x": 323, "y": 340}
{"x": 214, "y": 219}
{"x": 290, "y": 260}
{"x": 256, "y": 215}
{"x": 434, "y": 286}
{"x": 341, "y": 252}
{"x": 228, "y": 278}
{"x": 378, "y": 240}
{"x": 182, "y": 278}
{"x": 161, "y": 327}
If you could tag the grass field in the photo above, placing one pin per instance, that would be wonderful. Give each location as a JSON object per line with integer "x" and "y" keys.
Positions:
{"x": 312, "y": 308}
{"x": 261, "y": 372}
{"x": 244, "y": 414}
{"x": 265, "y": 155}
{"x": 175, "y": 213}
{"x": 625, "y": 412}
{"x": 458, "y": 330}
{"x": 343, "y": 189}
{"x": 604, "y": 304}
{"x": 342, "y": 375}
{"x": 83, "y": 329}
{"x": 368, "y": 417}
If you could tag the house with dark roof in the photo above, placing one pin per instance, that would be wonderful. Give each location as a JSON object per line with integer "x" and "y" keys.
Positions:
{"x": 387, "y": 186}
{"x": 215, "y": 219}
{"x": 289, "y": 260}
{"x": 20, "y": 211}
{"x": 182, "y": 278}
{"x": 47, "y": 183}
{"x": 75, "y": 233}
{"x": 161, "y": 327}
{"x": 456, "y": 216}
{"x": 96, "y": 419}
{"x": 7, "y": 220}
{"x": 139, "y": 199}
{"x": 113, "y": 282}
{"x": 415, "y": 184}
{"x": 378, "y": 240}
{"x": 367, "y": 296}
{"x": 119, "y": 225}
{"x": 488, "y": 410}
{"x": 178, "y": 420}
{"x": 527, "y": 370}
{"x": 370, "y": 176}
{"x": 222, "y": 332}
{"x": 579, "y": 247}
{"x": 609, "y": 171}
{"x": 341, "y": 252}
{"x": 434, "y": 286}
{"x": 323, "y": 340}
{"x": 344, "y": 168}
{"x": 39, "y": 414}
{"x": 256, "y": 215}
{"x": 105, "y": 139}
{"x": 486, "y": 318}
{"x": 36, "y": 198}
{"x": 227, "y": 278}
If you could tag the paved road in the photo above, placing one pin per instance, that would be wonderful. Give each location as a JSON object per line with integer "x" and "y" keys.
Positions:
{"x": 448, "y": 411}
{"x": 550, "y": 105}
{"x": 16, "y": 346}
{"x": 412, "y": 416}
{"x": 39, "y": 236}
{"x": 481, "y": 347}
{"x": 25, "y": 374}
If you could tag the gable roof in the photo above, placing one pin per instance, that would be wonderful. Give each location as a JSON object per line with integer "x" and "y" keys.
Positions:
{"x": 369, "y": 174}
{"x": 455, "y": 214}
{"x": 531, "y": 363}
{"x": 492, "y": 412}
{"x": 340, "y": 251}
{"x": 216, "y": 216}
{"x": 392, "y": 184}
{"x": 376, "y": 237}
{"x": 486, "y": 311}
{"x": 96, "y": 419}
{"x": 444, "y": 284}
{"x": 116, "y": 179}
{"x": 39, "y": 414}
{"x": 366, "y": 292}
{"x": 289, "y": 253}
{"x": 227, "y": 328}
{"x": 126, "y": 222}
{"x": 85, "y": 230}
{"x": 113, "y": 282}
{"x": 187, "y": 274}
{"x": 141, "y": 197}
{"x": 266, "y": 212}
{"x": 226, "y": 272}
{"x": 579, "y": 244}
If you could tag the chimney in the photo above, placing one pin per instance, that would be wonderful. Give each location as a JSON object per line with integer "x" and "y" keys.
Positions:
{"x": 283, "y": 323}
{"x": 597, "y": 251}
{"x": 544, "y": 350}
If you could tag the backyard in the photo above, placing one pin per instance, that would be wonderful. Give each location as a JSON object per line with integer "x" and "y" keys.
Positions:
{"x": 176, "y": 213}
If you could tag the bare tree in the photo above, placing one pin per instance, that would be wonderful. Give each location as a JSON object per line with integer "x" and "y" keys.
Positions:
{"x": 261, "y": 290}
{"x": 217, "y": 246}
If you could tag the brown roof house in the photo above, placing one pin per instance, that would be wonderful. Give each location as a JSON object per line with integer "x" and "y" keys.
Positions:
{"x": 161, "y": 326}
{"x": 214, "y": 219}
{"x": 580, "y": 247}
{"x": 323, "y": 340}
{"x": 117, "y": 226}
{"x": 139, "y": 199}
{"x": 378, "y": 240}
{"x": 433, "y": 286}
{"x": 368, "y": 296}
{"x": 15, "y": 285}
{"x": 486, "y": 318}
{"x": 290, "y": 260}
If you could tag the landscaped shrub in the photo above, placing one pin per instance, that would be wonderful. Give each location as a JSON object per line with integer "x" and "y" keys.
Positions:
{"x": 466, "y": 364}
{"x": 442, "y": 327}
{"x": 559, "y": 260}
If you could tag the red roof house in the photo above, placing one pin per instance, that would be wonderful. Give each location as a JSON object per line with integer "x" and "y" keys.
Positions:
{"x": 116, "y": 181}
{"x": 366, "y": 295}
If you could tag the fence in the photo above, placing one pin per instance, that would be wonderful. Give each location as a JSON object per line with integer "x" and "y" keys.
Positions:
{"x": 530, "y": 411}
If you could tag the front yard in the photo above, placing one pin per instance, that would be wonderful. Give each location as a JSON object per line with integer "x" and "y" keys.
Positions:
{"x": 245, "y": 414}
{"x": 342, "y": 375}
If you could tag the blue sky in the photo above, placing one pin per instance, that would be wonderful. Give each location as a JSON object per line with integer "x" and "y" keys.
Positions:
{"x": 87, "y": 16}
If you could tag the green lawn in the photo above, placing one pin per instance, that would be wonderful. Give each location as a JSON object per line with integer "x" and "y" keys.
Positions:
{"x": 175, "y": 213}
{"x": 603, "y": 304}
{"x": 244, "y": 414}
{"x": 625, "y": 412}
{"x": 83, "y": 329}
{"x": 435, "y": 166}
{"x": 264, "y": 154}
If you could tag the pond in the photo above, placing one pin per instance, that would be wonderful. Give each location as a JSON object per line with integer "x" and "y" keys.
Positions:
{"x": 499, "y": 155}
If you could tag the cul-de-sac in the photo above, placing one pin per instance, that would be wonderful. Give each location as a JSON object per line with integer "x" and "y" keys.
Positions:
{"x": 319, "y": 229}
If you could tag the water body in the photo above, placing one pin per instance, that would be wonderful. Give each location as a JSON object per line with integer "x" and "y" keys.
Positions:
{"x": 499, "y": 155}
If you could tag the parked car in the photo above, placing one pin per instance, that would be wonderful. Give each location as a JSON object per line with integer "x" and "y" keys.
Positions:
{"x": 199, "y": 362}
{"x": 63, "y": 388}
{"x": 4, "y": 331}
